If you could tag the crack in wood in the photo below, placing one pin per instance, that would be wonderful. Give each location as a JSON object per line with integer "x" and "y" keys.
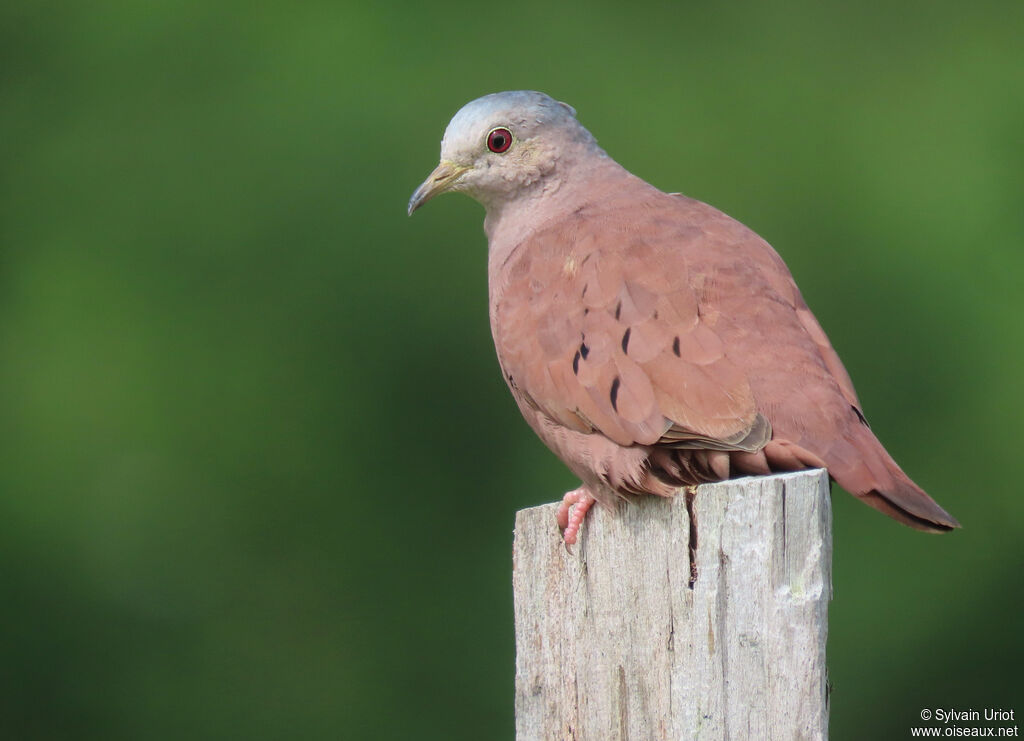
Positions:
{"x": 691, "y": 493}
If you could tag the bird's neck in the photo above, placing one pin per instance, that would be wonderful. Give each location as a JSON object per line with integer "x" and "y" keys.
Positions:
{"x": 510, "y": 222}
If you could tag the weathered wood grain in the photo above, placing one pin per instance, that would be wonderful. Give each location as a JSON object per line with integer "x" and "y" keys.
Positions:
{"x": 633, "y": 637}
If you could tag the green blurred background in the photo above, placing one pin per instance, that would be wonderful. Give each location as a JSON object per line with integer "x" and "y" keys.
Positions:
{"x": 258, "y": 468}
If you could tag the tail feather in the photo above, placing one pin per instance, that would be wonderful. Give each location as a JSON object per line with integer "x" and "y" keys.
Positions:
{"x": 857, "y": 461}
{"x": 912, "y": 507}
{"x": 875, "y": 478}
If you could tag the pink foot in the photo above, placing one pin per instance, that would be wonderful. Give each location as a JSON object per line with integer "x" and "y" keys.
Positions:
{"x": 571, "y": 512}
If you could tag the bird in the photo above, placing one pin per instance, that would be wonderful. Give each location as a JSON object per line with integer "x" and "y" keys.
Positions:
{"x": 651, "y": 341}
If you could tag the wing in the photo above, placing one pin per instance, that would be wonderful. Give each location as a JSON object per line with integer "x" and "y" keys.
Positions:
{"x": 607, "y": 323}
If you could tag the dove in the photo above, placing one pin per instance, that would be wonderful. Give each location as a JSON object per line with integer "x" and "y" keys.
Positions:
{"x": 651, "y": 341}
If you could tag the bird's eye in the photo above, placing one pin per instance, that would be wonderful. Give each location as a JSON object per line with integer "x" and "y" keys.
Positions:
{"x": 499, "y": 140}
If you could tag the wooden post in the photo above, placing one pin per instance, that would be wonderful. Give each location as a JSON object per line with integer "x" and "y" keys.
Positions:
{"x": 699, "y": 617}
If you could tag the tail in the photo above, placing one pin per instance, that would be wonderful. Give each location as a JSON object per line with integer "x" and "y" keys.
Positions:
{"x": 868, "y": 472}
{"x": 908, "y": 503}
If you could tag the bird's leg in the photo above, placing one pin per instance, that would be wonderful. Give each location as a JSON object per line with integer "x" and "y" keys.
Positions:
{"x": 571, "y": 512}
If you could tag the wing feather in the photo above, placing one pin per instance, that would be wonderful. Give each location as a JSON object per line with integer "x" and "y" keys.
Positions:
{"x": 601, "y": 326}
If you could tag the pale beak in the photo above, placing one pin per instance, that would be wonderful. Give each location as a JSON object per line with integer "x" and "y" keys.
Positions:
{"x": 444, "y": 176}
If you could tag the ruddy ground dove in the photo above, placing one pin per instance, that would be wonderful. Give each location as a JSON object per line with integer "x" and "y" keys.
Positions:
{"x": 651, "y": 341}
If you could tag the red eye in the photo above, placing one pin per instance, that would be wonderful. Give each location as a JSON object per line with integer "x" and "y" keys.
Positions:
{"x": 499, "y": 140}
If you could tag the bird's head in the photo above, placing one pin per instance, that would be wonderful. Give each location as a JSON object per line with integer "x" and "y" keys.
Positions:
{"x": 504, "y": 145}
